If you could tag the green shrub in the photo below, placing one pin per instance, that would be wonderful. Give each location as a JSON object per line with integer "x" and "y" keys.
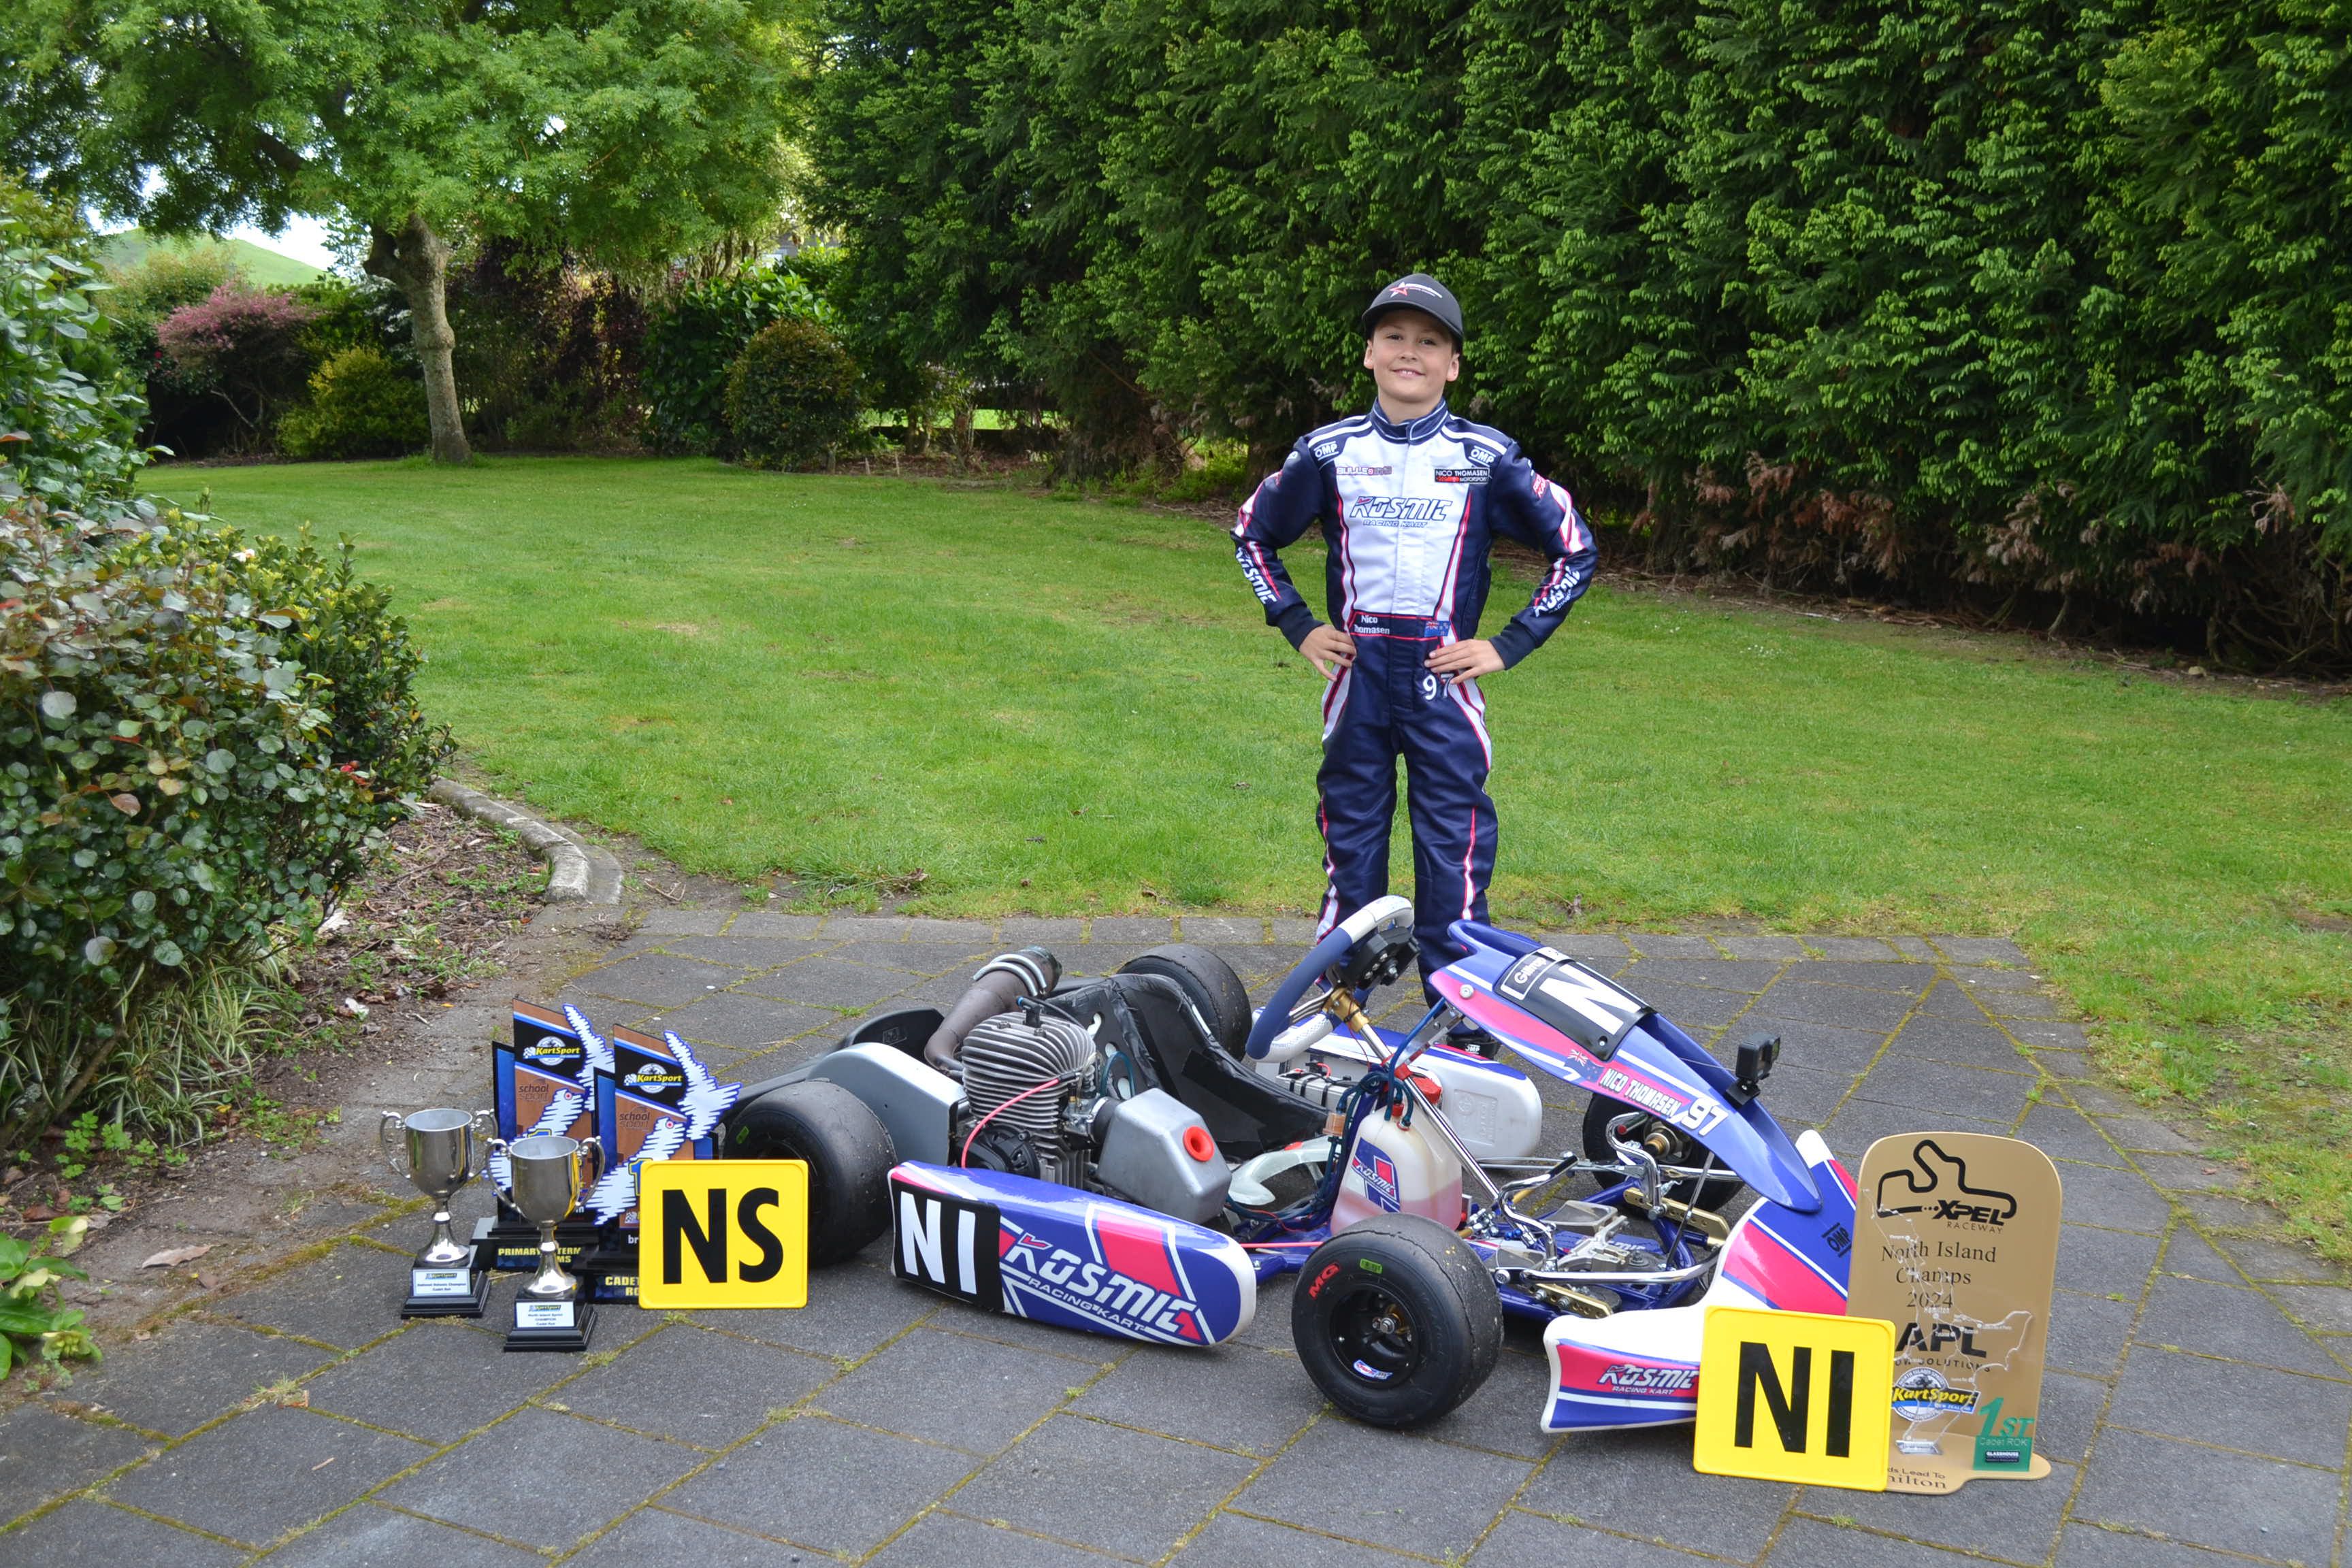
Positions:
{"x": 360, "y": 405}
{"x": 33, "y": 1326}
{"x": 697, "y": 337}
{"x": 69, "y": 417}
{"x": 792, "y": 395}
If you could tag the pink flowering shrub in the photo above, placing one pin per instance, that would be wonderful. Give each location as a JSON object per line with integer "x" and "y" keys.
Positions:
{"x": 243, "y": 346}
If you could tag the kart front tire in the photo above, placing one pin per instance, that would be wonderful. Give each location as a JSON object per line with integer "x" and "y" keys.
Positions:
{"x": 1396, "y": 1321}
{"x": 1208, "y": 982}
{"x": 849, "y": 1159}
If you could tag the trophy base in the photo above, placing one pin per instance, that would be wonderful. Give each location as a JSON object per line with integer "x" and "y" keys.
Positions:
{"x": 610, "y": 1267}
{"x": 562, "y": 1325}
{"x": 508, "y": 1243}
{"x": 446, "y": 1291}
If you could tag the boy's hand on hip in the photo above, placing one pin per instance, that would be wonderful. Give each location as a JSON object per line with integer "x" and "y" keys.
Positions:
{"x": 1476, "y": 656}
{"x": 1329, "y": 650}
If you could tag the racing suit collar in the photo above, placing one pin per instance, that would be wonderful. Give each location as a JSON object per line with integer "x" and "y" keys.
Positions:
{"x": 1419, "y": 429}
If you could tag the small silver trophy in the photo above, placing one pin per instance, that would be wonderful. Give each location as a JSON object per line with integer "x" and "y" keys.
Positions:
{"x": 443, "y": 1149}
{"x": 551, "y": 1310}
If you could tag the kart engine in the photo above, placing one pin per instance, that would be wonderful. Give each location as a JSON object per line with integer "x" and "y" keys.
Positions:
{"x": 1024, "y": 1072}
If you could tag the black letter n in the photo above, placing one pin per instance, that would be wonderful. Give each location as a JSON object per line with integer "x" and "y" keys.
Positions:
{"x": 1788, "y": 1410}
{"x": 679, "y": 1231}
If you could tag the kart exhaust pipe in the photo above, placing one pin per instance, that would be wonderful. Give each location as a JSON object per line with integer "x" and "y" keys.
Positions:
{"x": 997, "y": 988}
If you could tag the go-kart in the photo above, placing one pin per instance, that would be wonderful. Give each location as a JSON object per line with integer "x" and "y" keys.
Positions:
{"x": 1134, "y": 1154}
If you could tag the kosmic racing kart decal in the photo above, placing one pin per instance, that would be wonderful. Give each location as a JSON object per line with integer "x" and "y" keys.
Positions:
{"x": 1057, "y": 1255}
{"x": 1641, "y": 1369}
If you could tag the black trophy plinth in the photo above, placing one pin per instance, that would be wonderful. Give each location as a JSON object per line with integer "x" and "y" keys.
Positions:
{"x": 508, "y": 1242}
{"x": 609, "y": 1264}
{"x": 553, "y": 1323}
{"x": 458, "y": 1290}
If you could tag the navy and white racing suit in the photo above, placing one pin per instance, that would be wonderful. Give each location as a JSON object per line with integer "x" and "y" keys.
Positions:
{"x": 1409, "y": 511}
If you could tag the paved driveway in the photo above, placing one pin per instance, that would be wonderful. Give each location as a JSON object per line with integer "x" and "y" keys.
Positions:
{"x": 2198, "y": 1401}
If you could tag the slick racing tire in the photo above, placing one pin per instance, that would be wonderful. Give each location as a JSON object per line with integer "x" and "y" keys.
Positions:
{"x": 1601, "y": 1109}
{"x": 1397, "y": 1320}
{"x": 849, "y": 1159}
{"x": 1209, "y": 983}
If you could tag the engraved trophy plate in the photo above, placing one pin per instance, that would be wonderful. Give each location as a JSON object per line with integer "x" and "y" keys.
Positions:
{"x": 439, "y": 1151}
{"x": 546, "y": 1174}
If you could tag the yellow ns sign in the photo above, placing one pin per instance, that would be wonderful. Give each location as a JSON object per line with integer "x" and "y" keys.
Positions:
{"x": 722, "y": 1233}
{"x": 1795, "y": 1396}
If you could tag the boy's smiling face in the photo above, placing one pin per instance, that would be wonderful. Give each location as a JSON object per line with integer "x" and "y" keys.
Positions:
{"x": 1411, "y": 357}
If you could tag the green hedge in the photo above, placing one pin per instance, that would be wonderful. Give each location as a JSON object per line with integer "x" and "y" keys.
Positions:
{"x": 791, "y": 395}
{"x": 696, "y": 337}
{"x": 2044, "y": 304}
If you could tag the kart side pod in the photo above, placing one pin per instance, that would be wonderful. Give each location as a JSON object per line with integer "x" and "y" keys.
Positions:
{"x": 1056, "y": 1255}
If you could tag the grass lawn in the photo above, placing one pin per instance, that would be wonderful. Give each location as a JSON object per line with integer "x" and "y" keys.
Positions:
{"x": 1059, "y": 706}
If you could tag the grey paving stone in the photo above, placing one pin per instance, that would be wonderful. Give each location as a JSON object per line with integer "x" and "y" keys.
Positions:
{"x": 83, "y": 1534}
{"x": 1133, "y": 1493}
{"x": 824, "y": 1484}
{"x": 1501, "y": 1416}
{"x": 2060, "y": 1062}
{"x": 2185, "y": 1172}
{"x": 2070, "y": 1407}
{"x": 738, "y": 1021}
{"x": 2104, "y": 1262}
{"x": 1341, "y": 1477}
{"x": 927, "y": 958}
{"x": 657, "y": 979}
{"x": 1981, "y": 949}
{"x": 828, "y": 982}
{"x": 1797, "y": 1098}
{"x": 2145, "y": 1133}
{"x": 190, "y": 1373}
{"x": 2186, "y": 1252}
{"x": 869, "y": 928}
{"x": 2325, "y": 1308}
{"x": 1652, "y": 944}
{"x": 1610, "y": 1480}
{"x": 764, "y": 922}
{"x": 1091, "y": 1353}
{"x": 1236, "y": 1541}
{"x": 1522, "y": 1539}
{"x": 1847, "y": 1007}
{"x": 2053, "y": 1033}
{"x": 2088, "y": 1332}
{"x": 372, "y": 1537}
{"x": 542, "y": 1478}
{"x": 1943, "y": 1089}
{"x": 1208, "y": 931}
{"x": 438, "y": 1381}
{"x": 346, "y": 1298}
{"x": 1824, "y": 1047}
{"x": 1914, "y": 947}
{"x": 1000, "y": 1389}
{"x": 950, "y": 1541}
{"x": 1695, "y": 1007}
{"x": 1234, "y": 1396}
{"x": 1718, "y": 973}
{"x": 697, "y": 1385}
{"x": 2264, "y": 1507}
{"x": 2253, "y": 1408}
{"x": 652, "y": 1538}
{"x": 1909, "y": 979}
{"x": 2117, "y": 1200}
{"x": 2014, "y": 1520}
{"x": 1816, "y": 1543}
{"x": 1780, "y": 948}
{"x": 1946, "y": 999}
{"x": 45, "y": 1455}
{"x": 1271, "y": 1328}
{"x": 1974, "y": 980}
{"x": 2265, "y": 1260}
{"x": 683, "y": 922}
{"x": 1098, "y": 958}
{"x": 266, "y": 1472}
{"x": 1142, "y": 930}
{"x": 1976, "y": 1045}
{"x": 2243, "y": 1325}
{"x": 2008, "y": 1004}
{"x": 1291, "y": 930}
{"x": 1852, "y": 949}
{"x": 2062, "y": 1133}
{"x": 2227, "y": 1214}
{"x": 1862, "y": 1122}
{"x": 738, "y": 950}
{"x": 1593, "y": 947}
{"x": 1020, "y": 930}
{"x": 2089, "y": 1546}
{"x": 851, "y": 1310}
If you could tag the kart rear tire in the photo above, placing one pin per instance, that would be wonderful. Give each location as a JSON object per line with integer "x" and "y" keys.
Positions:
{"x": 1600, "y": 1110}
{"x": 849, "y": 1153}
{"x": 1396, "y": 1321}
{"x": 1209, "y": 983}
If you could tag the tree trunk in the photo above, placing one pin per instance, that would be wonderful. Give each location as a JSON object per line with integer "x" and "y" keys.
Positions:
{"x": 416, "y": 261}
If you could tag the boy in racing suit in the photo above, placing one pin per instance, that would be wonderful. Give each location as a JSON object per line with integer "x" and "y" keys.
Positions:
{"x": 1410, "y": 497}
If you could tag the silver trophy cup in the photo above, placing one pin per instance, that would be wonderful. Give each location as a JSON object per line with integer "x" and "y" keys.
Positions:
{"x": 547, "y": 1174}
{"x": 443, "y": 1149}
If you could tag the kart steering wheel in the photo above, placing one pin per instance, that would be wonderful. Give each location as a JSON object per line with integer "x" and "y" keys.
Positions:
{"x": 1275, "y": 1017}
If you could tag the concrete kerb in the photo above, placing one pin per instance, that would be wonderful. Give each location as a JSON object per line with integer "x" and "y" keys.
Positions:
{"x": 578, "y": 873}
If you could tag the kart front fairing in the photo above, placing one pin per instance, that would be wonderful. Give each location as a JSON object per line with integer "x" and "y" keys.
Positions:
{"x": 1649, "y": 1065}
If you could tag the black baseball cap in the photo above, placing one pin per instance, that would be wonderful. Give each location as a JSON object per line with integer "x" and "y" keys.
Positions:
{"x": 1417, "y": 291}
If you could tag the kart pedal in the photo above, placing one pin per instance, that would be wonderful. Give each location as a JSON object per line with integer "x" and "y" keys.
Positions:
{"x": 1707, "y": 1222}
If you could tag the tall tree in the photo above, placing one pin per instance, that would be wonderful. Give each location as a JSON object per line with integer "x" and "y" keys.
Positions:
{"x": 624, "y": 130}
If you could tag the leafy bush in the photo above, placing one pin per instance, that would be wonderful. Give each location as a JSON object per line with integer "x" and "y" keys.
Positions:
{"x": 182, "y": 416}
{"x": 792, "y": 395}
{"x": 547, "y": 355}
{"x": 33, "y": 1326}
{"x": 245, "y": 347}
{"x": 360, "y": 405}
{"x": 68, "y": 423}
{"x": 370, "y": 314}
{"x": 696, "y": 338}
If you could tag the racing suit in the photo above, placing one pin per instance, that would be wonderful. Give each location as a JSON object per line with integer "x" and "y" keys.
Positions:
{"x": 1409, "y": 511}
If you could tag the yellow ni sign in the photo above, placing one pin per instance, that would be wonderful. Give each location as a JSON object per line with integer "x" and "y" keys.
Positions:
{"x": 722, "y": 1233}
{"x": 1795, "y": 1396}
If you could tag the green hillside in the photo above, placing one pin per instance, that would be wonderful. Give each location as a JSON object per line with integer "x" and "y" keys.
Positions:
{"x": 262, "y": 267}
